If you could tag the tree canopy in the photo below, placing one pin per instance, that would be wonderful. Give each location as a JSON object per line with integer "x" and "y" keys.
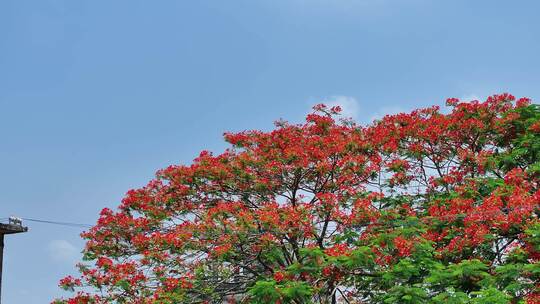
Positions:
{"x": 429, "y": 206}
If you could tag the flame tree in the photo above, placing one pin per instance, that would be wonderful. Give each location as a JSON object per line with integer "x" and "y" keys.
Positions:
{"x": 420, "y": 207}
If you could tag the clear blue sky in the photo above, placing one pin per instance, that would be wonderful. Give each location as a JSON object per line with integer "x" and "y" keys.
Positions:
{"x": 95, "y": 96}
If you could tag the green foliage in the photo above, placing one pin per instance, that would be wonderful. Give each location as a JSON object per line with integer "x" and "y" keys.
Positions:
{"x": 525, "y": 148}
{"x": 269, "y": 291}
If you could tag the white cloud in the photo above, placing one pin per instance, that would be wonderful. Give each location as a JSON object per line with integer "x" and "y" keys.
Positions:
{"x": 350, "y": 108}
{"x": 63, "y": 251}
{"x": 386, "y": 110}
{"x": 471, "y": 97}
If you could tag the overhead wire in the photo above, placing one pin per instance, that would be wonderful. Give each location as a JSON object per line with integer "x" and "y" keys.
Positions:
{"x": 42, "y": 221}
{"x": 70, "y": 224}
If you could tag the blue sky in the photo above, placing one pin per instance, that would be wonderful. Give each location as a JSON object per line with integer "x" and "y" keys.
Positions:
{"x": 95, "y": 96}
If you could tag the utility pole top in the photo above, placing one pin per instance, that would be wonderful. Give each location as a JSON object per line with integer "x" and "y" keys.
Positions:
{"x": 13, "y": 226}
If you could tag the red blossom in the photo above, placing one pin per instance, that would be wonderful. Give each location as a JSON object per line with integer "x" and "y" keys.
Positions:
{"x": 403, "y": 246}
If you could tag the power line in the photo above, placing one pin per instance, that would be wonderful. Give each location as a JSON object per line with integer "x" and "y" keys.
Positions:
{"x": 68, "y": 224}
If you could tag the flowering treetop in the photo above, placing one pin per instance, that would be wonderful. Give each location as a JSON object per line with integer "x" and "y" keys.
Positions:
{"x": 419, "y": 207}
